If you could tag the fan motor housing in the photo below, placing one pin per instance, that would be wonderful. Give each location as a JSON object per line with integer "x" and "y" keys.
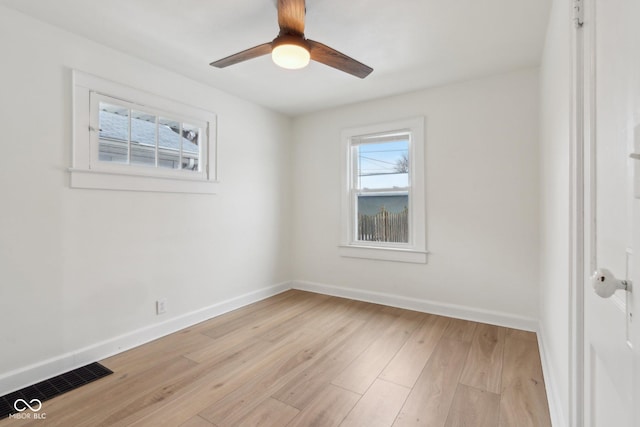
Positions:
{"x": 291, "y": 39}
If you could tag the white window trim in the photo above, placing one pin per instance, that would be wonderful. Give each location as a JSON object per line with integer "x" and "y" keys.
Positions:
{"x": 413, "y": 252}
{"x": 87, "y": 172}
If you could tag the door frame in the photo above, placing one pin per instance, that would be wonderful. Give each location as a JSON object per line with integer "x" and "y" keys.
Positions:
{"x": 582, "y": 196}
{"x": 583, "y": 236}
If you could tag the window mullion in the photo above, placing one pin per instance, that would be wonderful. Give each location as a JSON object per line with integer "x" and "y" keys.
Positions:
{"x": 157, "y": 139}
{"x": 383, "y": 191}
{"x": 129, "y": 137}
{"x": 180, "y": 147}
{"x": 354, "y": 215}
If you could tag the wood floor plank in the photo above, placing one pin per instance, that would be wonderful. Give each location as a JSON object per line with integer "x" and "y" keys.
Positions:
{"x": 137, "y": 405}
{"x": 524, "y": 400}
{"x": 474, "y": 407}
{"x": 483, "y": 369}
{"x": 327, "y": 409}
{"x": 366, "y": 310}
{"x": 269, "y": 413}
{"x": 196, "y": 422}
{"x": 321, "y": 316}
{"x": 163, "y": 349}
{"x": 430, "y": 399}
{"x": 378, "y": 407}
{"x": 214, "y": 384}
{"x": 141, "y": 388}
{"x": 219, "y": 347}
{"x": 233, "y": 407}
{"x": 305, "y": 386}
{"x": 407, "y": 364}
{"x": 523, "y": 335}
{"x": 271, "y": 316}
{"x": 364, "y": 370}
{"x": 246, "y": 311}
{"x": 459, "y": 329}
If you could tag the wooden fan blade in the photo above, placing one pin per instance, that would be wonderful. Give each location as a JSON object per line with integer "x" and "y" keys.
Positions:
{"x": 291, "y": 16}
{"x": 331, "y": 57}
{"x": 245, "y": 55}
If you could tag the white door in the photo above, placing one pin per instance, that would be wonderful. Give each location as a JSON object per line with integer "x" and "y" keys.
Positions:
{"x": 612, "y": 65}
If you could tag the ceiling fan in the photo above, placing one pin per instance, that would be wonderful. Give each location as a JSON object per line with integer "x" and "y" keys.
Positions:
{"x": 292, "y": 50}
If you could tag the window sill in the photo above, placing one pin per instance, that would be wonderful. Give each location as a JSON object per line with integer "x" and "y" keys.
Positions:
{"x": 383, "y": 254}
{"x": 91, "y": 179}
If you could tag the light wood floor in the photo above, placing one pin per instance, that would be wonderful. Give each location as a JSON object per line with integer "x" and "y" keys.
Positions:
{"x": 302, "y": 359}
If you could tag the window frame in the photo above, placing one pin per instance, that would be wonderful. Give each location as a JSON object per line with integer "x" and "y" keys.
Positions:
{"x": 87, "y": 171}
{"x": 414, "y": 251}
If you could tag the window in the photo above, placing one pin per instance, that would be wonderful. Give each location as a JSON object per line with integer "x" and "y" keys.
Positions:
{"x": 383, "y": 192}
{"x": 126, "y": 139}
{"x": 140, "y": 136}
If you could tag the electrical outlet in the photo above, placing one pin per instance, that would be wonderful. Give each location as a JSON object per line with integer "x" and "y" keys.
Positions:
{"x": 161, "y": 306}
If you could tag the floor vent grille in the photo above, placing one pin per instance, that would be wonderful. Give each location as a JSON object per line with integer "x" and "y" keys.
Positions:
{"x": 23, "y": 400}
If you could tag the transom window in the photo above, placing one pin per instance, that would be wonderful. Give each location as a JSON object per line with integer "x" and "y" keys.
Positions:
{"x": 127, "y": 139}
{"x": 127, "y": 135}
{"x": 383, "y": 195}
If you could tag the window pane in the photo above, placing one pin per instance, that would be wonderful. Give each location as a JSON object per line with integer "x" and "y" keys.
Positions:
{"x": 113, "y": 122}
{"x": 190, "y": 147}
{"x": 143, "y": 138}
{"x": 169, "y": 144}
{"x": 383, "y": 165}
{"x": 383, "y": 218}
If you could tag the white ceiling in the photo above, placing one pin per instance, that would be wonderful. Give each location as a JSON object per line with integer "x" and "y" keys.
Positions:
{"x": 411, "y": 44}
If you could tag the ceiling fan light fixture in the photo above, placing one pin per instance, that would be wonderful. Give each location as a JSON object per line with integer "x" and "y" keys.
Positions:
{"x": 290, "y": 52}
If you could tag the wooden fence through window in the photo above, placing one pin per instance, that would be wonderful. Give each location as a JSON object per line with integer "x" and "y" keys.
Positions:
{"x": 384, "y": 226}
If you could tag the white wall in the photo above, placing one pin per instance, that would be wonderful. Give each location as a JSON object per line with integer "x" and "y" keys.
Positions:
{"x": 482, "y": 199}
{"x": 78, "y": 267}
{"x": 555, "y": 122}
{"x": 67, "y": 284}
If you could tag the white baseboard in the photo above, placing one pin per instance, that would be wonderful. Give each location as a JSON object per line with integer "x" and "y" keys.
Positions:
{"x": 450, "y": 310}
{"x": 550, "y": 382}
{"x": 28, "y": 375}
